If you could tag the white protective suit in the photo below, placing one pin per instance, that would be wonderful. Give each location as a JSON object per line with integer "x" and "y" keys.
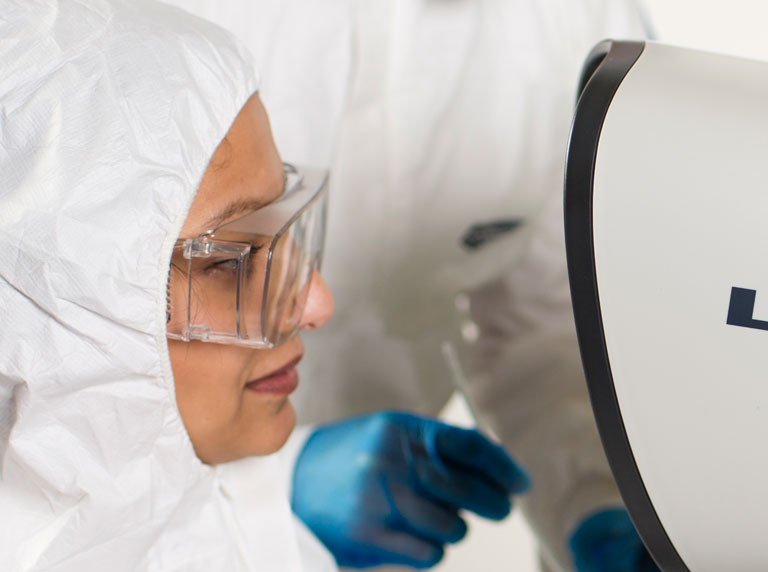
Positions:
{"x": 109, "y": 113}
{"x": 436, "y": 116}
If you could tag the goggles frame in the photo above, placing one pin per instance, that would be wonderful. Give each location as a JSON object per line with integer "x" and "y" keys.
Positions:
{"x": 304, "y": 199}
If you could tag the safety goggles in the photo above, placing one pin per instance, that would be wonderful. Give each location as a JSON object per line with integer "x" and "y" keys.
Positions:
{"x": 246, "y": 282}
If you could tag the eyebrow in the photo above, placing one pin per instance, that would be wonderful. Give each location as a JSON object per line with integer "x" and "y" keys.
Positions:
{"x": 240, "y": 206}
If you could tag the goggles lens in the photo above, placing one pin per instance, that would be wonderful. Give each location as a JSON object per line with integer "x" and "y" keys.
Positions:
{"x": 246, "y": 282}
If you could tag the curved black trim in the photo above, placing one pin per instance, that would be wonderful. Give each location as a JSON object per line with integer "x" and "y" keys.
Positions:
{"x": 603, "y": 73}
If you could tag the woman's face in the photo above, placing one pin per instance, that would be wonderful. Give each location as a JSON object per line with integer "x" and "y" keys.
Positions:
{"x": 234, "y": 400}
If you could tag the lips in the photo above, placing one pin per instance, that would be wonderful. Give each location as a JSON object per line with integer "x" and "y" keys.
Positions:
{"x": 282, "y": 381}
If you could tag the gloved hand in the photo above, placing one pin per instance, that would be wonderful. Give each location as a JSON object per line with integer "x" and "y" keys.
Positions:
{"x": 386, "y": 488}
{"x": 607, "y": 541}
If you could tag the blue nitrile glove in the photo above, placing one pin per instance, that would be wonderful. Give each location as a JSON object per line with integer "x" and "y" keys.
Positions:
{"x": 607, "y": 541}
{"x": 386, "y": 488}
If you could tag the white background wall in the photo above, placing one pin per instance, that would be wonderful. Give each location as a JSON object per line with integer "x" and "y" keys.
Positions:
{"x": 738, "y": 27}
{"x": 730, "y": 26}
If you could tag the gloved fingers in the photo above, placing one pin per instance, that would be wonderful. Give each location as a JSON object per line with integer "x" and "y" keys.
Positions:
{"x": 424, "y": 516}
{"x": 617, "y": 555}
{"x": 601, "y": 526}
{"x": 645, "y": 563}
{"x": 462, "y": 490}
{"x": 473, "y": 451}
{"x": 606, "y": 541}
{"x": 402, "y": 548}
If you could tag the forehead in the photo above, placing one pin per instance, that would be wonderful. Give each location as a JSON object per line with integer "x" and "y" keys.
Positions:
{"x": 244, "y": 173}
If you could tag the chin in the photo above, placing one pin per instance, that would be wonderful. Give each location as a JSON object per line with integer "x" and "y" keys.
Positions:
{"x": 281, "y": 428}
{"x": 266, "y": 437}
{"x": 272, "y": 432}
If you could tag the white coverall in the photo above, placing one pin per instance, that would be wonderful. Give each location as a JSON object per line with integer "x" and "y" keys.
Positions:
{"x": 439, "y": 118}
{"x": 109, "y": 113}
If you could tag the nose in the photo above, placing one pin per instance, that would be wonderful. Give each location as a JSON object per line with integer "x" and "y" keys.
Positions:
{"x": 319, "y": 307}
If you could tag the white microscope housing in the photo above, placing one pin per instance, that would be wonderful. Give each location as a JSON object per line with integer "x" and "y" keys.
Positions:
{"x": 667, "y": 238}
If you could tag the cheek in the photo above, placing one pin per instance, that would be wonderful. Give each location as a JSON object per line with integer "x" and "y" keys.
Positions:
{"x": 224, "y": 421}
{"x": 204, "y": 371}
{"x": 209, "y": 393}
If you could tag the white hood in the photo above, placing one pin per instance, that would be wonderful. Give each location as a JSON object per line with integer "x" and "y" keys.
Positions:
{"x": 109, "y": 111}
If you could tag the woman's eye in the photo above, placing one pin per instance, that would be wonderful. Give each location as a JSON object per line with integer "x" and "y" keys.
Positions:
{"x": 255, "y": 248}
{"x": 232, "y": 264}
{"x": 226, "y": 265}
{"x": 253, "y": 261}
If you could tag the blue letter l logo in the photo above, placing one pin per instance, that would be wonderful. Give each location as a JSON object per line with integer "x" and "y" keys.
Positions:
{"x": 742, "y": 307}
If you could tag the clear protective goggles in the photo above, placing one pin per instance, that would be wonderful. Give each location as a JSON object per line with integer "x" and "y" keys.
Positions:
{"x": 246, "y": 282}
